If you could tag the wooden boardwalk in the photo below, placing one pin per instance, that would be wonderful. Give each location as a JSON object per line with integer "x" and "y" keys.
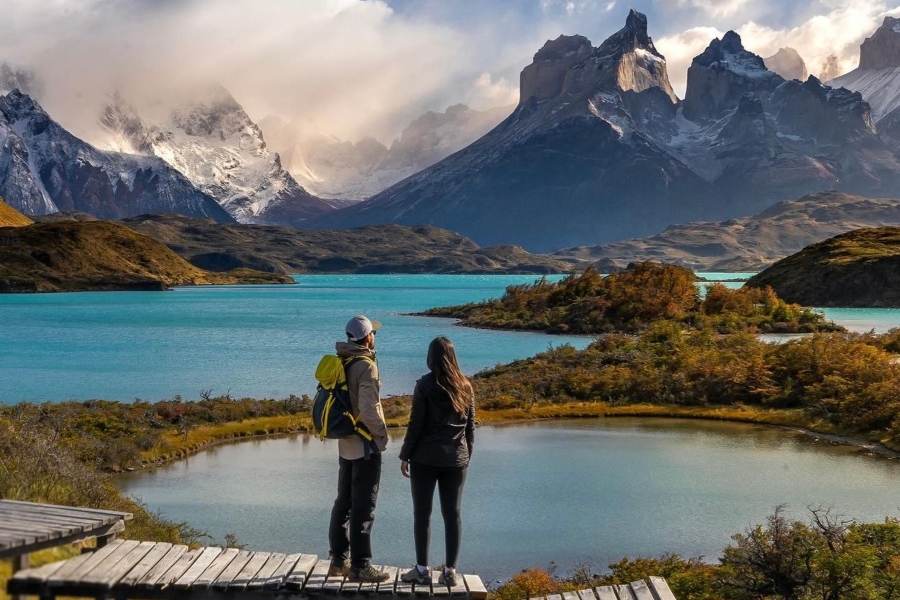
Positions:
{"x": 158, "y": 570}
{"x": 655, "y": 588}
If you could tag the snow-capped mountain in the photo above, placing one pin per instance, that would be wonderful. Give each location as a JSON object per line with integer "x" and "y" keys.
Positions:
{"x": 45, "y": 169}
{"x": 213, "y": 142}
{"x": 331, "y": 168}
{"x": 788, "y": 63}
{"x": 600, "y": 148}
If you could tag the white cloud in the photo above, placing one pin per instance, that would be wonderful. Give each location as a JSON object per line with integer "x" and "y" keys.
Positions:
{"x": 681, "y": 49}
{"x": 714, "y": 8}
{"x": 487, "y": 93}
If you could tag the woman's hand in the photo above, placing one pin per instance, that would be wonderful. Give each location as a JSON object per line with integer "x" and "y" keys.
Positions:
{"x": 404, "y": 468}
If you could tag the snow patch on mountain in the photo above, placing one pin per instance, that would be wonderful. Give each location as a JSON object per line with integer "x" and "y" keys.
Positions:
{"x": 879, "y": 87}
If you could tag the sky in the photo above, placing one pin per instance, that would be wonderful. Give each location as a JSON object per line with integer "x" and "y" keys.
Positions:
{"x": 355, "y": 68}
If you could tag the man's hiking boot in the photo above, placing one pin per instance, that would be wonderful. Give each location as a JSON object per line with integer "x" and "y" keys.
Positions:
{"x": 367, "y": 575}
{"x": 414, "y": 575}
{"x": 447, "y": 578}
{"x": 339, "y": 568}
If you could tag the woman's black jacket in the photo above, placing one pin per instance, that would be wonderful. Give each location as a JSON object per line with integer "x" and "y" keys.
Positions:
{"x": 437, "y": 435}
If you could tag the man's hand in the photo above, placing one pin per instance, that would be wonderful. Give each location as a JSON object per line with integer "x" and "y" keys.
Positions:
{"x": 404, "y": 468}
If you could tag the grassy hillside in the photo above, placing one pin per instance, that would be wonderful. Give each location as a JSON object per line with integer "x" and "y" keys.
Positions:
{"x": 375, "y": 249}
{"x": 860, "y": 268}
{"x": 10, "y": 217}
{"x": 100, "y": 255}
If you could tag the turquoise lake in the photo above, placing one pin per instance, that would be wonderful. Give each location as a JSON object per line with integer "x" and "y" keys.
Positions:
{"x": 259, "y": 341}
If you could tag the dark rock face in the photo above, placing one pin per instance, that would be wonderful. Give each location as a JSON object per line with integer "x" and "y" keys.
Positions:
{"x": 882, "y": 50}
{"x": 600, "y": 149}
{"x": 45, "y": 169}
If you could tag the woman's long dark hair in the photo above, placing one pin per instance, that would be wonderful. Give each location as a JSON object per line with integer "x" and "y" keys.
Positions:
{"x": 442, "y": 362}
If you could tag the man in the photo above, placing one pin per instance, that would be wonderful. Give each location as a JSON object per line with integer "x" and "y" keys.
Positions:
{"x": 360, "y": 467}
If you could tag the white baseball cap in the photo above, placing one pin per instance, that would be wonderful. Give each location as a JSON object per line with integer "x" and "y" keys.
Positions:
{"x": 360, "y": 326}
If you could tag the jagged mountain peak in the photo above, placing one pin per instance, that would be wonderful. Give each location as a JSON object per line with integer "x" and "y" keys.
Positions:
{"x": 729, "y": 54}
{"x": 882, "y": 49}
{"x": 13, "y": 77}
{"x": 18, "y": 105}
{"x": 563, "y": 47}
{"x": 631, "y": 37}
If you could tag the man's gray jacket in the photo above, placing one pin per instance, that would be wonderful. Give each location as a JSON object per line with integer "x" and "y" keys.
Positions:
{"x": 364, "y": 386}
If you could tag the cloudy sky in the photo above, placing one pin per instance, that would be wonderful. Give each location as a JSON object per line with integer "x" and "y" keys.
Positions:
{"x": 367, "y": 67}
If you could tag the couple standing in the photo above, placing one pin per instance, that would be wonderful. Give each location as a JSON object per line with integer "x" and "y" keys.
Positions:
{"x": 435, "y": 452}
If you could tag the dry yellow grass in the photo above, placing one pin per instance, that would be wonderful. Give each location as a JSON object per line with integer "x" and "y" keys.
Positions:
{"x": 10, "y": 217}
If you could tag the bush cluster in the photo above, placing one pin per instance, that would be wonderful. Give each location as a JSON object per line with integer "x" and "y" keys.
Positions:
{"x": 589, "y": 303}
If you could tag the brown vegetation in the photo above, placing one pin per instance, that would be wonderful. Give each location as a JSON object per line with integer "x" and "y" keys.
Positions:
{"x": 10, "y": 217}
{"x": 629, "y": 301}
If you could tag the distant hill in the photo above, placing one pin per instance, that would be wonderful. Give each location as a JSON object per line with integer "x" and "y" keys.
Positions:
{"x": 373, "y": 249}
{"x": 860, "y": 268}
{"x": 10, "y": 217}
{"x": 100, "y": 255}
{"x": 748, "y": 243}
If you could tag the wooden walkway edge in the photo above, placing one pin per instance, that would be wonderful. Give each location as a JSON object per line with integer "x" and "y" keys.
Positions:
{"x": 161, "y": 571}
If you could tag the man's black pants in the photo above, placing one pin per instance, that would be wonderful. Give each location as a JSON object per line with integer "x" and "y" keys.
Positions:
{"x": 354, "y": 510}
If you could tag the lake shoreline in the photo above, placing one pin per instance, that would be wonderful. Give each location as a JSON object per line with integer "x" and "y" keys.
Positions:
{"x": 779, "y": 419}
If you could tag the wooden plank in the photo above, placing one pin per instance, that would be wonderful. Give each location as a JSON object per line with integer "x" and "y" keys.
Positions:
{"x": 154, "y": 577}
{"x": 276, "y": 579}
{"x": 215, "y": 569}
{"x": 233, "y": 569}
{"x": 74, "y": 509}
{"x": 101, "y": 574}
{"x": 8, "y": 522}
{"x": 27, "y": 515}
{"x": 206, "y": 558}
{"x": 587, "y": 594}
{"x": 641, "y": 591}
{"x": 624, "y": 592}
{"x": 570, "y": 596}
{"x": 262, "y": 576}
{"x": 72, "y": 571}
{"x": 353, "y": 587}
{"x": 661, "y": 588}
{"x": 15, "y": 547}
{"x": 476, "y": 587}
{"x": 45, "y": 572}
{"x": 317, "y": 577}
{"x": 300, "y": 573}
{"x": 256, "y": 562}
{"x": 386, "y": 588}
{"x": 606, "y": 592}
{"x": 112, "y": 575}
{"x": 554, "y": 597}
{"x": 176, "y": 569}
{"x": 144, "y": 566}
{"x": 61, "y": 514}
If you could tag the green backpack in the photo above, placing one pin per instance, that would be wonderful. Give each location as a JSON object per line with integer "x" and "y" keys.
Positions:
{"x": 332, "y": 411}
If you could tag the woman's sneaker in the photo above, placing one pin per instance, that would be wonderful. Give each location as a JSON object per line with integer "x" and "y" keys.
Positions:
{"x": 367, "y": 574}
{"x": 447, "y": 578}
{"x": 414, "y": 575}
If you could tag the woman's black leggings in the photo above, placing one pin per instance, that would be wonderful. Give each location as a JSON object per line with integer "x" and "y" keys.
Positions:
{"x": 449, "y": 481}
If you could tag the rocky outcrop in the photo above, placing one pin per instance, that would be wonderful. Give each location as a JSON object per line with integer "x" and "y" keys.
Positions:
{"x": 214, "y": 143}
{"x": 788, "y": 63}
{"x": 882, "y": 49}
{"x": 860, "y": 268}
{"x": 45, "y": 169}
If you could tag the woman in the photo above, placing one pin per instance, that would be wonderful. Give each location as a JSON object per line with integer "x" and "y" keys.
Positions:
{"x": 436, "y": 451}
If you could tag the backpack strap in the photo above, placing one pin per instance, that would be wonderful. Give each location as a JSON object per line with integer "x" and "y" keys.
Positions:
{"x": 369, "y": 445}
